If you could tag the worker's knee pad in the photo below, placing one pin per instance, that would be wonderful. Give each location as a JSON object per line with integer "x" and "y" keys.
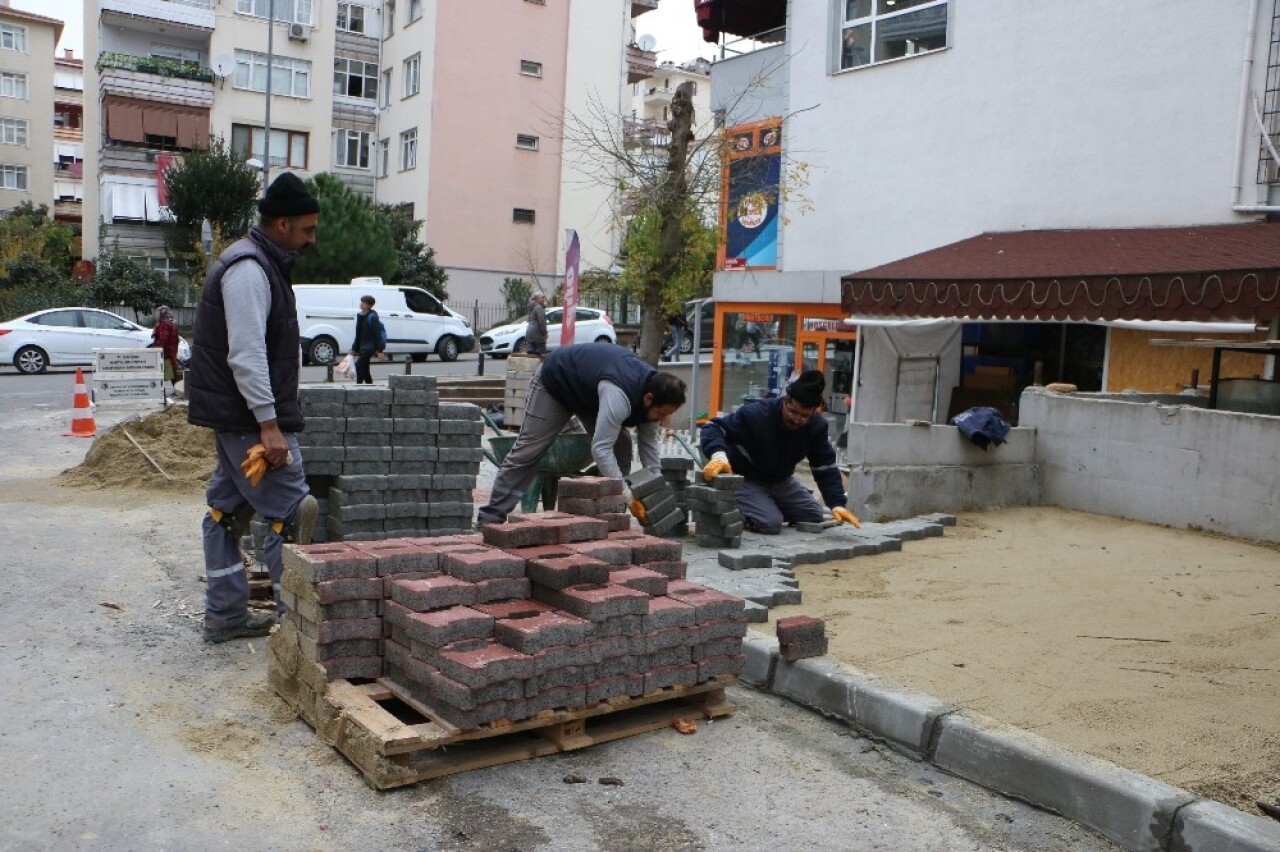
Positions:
{"x": 298, "y": 527}
{"x": 235, "y": 523}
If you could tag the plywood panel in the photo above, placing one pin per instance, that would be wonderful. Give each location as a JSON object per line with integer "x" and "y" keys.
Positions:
{"x": 1134, "y": 364}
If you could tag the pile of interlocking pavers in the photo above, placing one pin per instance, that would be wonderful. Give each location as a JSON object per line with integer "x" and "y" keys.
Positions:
{"x": 595, "y": 497}
{"x": 389, "y": 462}
{"x": 520, "y": 369}
{"x": 716, "y": 516}
{"x": 675, "y": 470}
{"x": 548, "y": 611}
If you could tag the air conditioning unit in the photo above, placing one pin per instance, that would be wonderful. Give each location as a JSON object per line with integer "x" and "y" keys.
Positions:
{"x": 299, "y": 32}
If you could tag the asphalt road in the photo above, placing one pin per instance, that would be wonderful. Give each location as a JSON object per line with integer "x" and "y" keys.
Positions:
{"x": 121, "y": 729}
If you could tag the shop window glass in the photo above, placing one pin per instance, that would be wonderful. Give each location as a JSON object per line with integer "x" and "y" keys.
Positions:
{"x": 759, "y": 354}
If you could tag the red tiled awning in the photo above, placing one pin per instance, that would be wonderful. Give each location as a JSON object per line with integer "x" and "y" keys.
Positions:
{"x": 1214, "y": 272}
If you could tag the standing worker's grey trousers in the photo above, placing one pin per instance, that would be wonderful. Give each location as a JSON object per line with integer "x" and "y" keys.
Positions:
{"x": 276, "y": 498}
{"x": 544, "y": 419}
{"x": 767, "y": 506}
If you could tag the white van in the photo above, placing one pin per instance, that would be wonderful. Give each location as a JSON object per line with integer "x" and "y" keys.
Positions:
{"x": 417, "y": 322}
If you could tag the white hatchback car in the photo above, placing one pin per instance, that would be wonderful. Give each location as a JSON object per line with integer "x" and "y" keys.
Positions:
{"x": 67, "y": 337}
{"x": 589, "y": 326}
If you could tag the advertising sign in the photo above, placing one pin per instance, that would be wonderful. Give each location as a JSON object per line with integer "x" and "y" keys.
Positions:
{"x": 570, "y": 290}
{"x": 752, "y": 190}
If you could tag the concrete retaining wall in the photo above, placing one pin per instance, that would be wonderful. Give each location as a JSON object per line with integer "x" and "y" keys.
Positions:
{"x": 900, "y": 471}
{"x": 1177, "y": 465}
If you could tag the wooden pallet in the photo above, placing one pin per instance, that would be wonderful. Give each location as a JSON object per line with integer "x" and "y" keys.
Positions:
{"x": 395, "y": 741}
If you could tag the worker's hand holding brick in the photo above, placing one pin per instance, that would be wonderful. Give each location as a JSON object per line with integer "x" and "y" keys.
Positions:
{"x": 719, "y": 464}
{"x": 636, "y": 507}
{"x": 844, "y": 516}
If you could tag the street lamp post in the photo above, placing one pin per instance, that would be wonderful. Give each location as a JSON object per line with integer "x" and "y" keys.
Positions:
{"x": 266, "y": 148}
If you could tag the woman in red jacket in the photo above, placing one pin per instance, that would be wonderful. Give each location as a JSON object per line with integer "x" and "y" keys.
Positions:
{"x": 165, "y": 338}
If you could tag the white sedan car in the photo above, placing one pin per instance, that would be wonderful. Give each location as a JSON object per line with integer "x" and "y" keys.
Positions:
{"x": 67, "y": 337}
{"x": 589, "y": 326}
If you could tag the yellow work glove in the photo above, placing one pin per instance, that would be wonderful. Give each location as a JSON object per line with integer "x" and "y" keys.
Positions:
{"x": 254, "y": 465}
{"x": 634, "y": 504}
{"x": 719, "y": 464}
{"x": 844, "y": 516}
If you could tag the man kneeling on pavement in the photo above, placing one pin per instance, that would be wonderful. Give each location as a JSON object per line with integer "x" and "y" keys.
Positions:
{"x": 608, "y": 388}
{"x": 763, "y": 441}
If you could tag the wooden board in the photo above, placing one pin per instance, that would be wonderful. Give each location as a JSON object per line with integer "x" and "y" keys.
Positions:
{"x": 392, "y": 750}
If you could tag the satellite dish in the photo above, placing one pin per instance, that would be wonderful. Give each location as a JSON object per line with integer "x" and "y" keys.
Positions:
{"x": 223, "y": 65}
{"x": 648, "y": 43}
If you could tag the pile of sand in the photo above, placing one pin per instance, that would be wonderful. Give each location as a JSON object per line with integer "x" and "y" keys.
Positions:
{"x": 185, "y": 452}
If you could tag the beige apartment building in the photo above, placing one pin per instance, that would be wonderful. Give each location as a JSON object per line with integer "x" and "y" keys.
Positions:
{"x": 27, "y": 43}
{"x": 413, "y": 112}
{"x": 68, "y": 138}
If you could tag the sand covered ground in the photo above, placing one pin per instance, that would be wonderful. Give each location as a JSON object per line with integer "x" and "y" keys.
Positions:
{"x": 1155, "y": 648}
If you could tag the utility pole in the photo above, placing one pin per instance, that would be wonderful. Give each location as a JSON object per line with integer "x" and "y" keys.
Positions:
{"x": 266, "y": 148}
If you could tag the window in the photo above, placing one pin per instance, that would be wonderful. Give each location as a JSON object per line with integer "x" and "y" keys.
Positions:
{"x": 409, "y": 149}
{"x": 13, "y": 131}
{"x": 13, "y": 177}
{"x": 289, "y": 77}
{"x": 170, "y": 268}
{"x": 351, "y": 17}
{"x": 355, "y": 79}
{"x": 288, "y": 147}
{"x": 105, "y": 321}
{"x": 292, "y": 11}
{"x": 526, "y": 141}
{"x": 523, "y": 215}
{"x": 13, "y": 85}
{"x": 530, "y": 68}
{"x": 13, "y": 37}
{"x": 422, "y": 302}
{"x": 412, "y": 74}
{"x": 351, "y": 148}
{"x": 386, "y": 89}
{"x": 415, "y": 10}
{"x": 58, "y": 319}
{"x": 388, "y": 18}
{"x": 181, "y": 55}
{"x": 384, "y": 157}
{"x": 879, "y": 30}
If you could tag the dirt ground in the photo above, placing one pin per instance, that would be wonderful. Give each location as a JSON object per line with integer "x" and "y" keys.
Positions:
{"x": 1157, "y": 649}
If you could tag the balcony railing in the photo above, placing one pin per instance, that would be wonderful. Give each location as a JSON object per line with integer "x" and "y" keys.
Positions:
{"x": 641, "y": 64}
{"x": 154, "y": 65}
{"x": 199, "y": 14}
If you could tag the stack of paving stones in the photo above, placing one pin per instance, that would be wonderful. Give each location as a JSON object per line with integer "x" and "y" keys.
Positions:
{"x": 652, "y": 489}
{"x": 675, "y": 470}
{"x": 547, "y": 612}
{"x": 594, "y": 497}
{"x": 520, "y": 369}
{"x": 390, "y": 462}
{"x": 801, "y": 637}
{"x": 716, "y": 517}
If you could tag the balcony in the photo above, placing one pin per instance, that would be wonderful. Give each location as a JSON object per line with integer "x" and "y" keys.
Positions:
{"x": 196, "y": 14}
{"x": 645, "y": 133}
{"x": 658, "y": 95}
{"x": 148, "y": 78}
{"x": 641, "y": 64}
{"x": 639, "y": 7}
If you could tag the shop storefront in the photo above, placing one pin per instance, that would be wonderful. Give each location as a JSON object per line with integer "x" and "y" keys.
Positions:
{"x": 760, "y": 345}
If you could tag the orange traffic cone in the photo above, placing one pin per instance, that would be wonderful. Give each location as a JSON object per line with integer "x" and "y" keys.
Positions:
{"x": 82, "y": 425}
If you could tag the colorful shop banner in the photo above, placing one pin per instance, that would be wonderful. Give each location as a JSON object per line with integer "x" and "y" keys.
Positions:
{"x": 751, "y": 189}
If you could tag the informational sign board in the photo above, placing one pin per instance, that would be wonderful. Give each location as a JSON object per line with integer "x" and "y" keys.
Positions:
{"x": 128, "y": 375}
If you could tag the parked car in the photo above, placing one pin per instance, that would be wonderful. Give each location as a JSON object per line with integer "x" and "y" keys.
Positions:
{"x": 708, "y": 335}
{"x": 417, "y": 323}
{"x": 589, "y": 325}
{"x": 66, "y": 337}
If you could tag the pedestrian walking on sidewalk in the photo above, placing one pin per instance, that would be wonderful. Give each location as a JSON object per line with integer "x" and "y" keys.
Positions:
{"x": 243, "y": 383}
{"x": 535, "y": 330}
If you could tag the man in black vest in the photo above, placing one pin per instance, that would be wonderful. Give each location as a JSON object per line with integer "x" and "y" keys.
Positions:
{"x": 608, "y": 388}
{"x": 243, "y": 384}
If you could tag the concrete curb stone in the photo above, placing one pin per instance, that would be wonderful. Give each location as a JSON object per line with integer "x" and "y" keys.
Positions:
{"x": 1126, "y": 807}
{"x": 1214, "y": 827}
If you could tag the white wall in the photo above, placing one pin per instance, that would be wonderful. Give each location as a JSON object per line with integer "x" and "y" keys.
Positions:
{"x": 1167, "y": 464}
{"x": 1090, "y": 113}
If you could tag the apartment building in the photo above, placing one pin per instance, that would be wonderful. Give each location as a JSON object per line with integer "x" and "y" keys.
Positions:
{"x": 1032, "y": 167}
{"x": 68, "y": 138}
{"x": 474, "y": 107}
{"x": 415, "y": 113}
{"x": 27, "y": 43}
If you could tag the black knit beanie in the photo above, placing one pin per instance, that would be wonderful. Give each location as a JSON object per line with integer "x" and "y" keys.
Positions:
{"x": 807, "y": 388}
{"x": 288, "y": 196}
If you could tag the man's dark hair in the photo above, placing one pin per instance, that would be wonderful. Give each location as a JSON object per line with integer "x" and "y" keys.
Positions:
{"x": 666, "y": 389}
{"x": 369, "y": 300}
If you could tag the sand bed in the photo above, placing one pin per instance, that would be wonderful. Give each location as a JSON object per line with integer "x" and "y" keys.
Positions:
{"x": 1154, "y": 648}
